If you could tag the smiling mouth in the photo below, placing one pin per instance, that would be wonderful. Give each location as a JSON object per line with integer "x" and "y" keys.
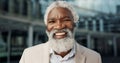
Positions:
{"x": 60, "y": 35}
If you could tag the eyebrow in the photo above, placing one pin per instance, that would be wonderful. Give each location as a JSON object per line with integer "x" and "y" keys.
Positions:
{"x": 49, "y": 19}
{"x": 65, "y": 17}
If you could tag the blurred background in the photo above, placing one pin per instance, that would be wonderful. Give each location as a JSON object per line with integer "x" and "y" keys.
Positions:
{"x": 22, "y": 26}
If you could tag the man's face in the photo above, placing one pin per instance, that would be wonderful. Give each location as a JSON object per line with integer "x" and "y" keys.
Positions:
{"x": 58, "y": 19}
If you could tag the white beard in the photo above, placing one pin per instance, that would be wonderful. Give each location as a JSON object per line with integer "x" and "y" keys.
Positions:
{"x": 61, "y": 45}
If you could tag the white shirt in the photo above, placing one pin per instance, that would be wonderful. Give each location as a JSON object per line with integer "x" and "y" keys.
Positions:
{"x": 69, "y": 58}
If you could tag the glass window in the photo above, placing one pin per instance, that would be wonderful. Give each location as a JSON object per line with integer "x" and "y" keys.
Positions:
{"x": 118, "y": 9}
{"x": 4, "y": 5}
{"x": 16, "y": 6}
{"x": 24, "y": 8}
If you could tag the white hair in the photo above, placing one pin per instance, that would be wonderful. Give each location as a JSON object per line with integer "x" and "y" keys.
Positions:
{"x": 63, "y": 4}
{"x": 61, "y": 45}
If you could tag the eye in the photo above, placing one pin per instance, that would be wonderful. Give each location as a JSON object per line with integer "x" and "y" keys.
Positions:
{"x": 67, "y": 18}
{"x": 51, "y": 21}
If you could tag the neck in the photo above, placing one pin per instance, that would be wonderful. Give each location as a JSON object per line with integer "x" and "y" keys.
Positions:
{"x": 63, "y": 54}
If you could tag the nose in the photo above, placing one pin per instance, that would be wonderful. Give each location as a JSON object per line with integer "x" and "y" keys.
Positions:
{"x": 59, "y": 25}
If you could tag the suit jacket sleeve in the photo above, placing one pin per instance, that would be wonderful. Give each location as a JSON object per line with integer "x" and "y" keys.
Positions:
{"x": 99, "y": 59}
{"x": 22, "y": 60}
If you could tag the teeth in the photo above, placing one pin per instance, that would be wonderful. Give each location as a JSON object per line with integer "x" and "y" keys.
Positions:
{"x": 62, "y": 33}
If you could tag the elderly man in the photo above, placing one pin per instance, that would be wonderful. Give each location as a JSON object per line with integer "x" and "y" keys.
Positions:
{"x": 60, "y": 19}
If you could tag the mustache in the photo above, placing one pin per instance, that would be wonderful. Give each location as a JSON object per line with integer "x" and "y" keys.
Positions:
{"x": 50, "y": 34}
{"x": 63, "y": 30}
{"x": 56, "y": 31}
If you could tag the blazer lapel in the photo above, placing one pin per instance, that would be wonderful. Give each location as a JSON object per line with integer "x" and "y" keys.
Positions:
{"x": 46, "y": 54}
{"x": 79, "y": 57}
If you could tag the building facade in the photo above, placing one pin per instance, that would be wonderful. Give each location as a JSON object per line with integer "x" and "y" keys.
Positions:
{"x": 22, "y": 26}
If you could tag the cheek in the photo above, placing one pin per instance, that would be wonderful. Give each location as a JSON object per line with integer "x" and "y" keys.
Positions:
{"x": 70, "y": 26}
{"x": 49, "y": 28}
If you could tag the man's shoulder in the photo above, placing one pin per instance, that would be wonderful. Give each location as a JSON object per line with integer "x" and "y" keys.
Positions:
{"x": 34, "y": 54}
{"x": 89, "y": 52}
{"x": 36, "y": 48}
{"x": 90, "y": 55}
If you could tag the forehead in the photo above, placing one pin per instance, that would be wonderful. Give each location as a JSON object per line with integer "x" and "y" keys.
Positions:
{"x": 59, "y": 12}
